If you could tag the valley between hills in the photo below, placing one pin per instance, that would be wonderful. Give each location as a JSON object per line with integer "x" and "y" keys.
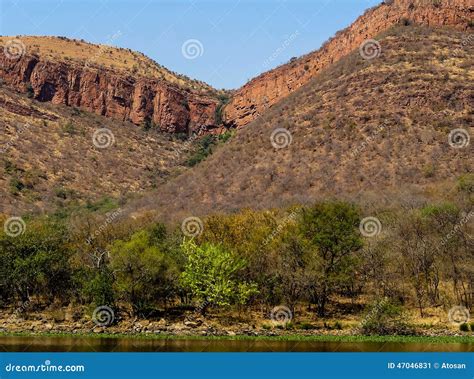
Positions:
{"x": 332, "y": 195}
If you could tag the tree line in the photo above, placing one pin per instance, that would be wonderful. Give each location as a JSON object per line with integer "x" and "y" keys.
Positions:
{"x": 306, "y": 255}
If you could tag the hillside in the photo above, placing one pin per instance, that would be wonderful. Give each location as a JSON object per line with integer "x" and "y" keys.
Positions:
{"x": 115, "y": 83}
{"x": 49, "y": 158}
{"x": 361, "y": 128}
{"x": 269, "y": 88}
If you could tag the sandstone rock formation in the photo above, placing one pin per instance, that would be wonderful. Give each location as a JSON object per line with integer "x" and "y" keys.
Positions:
{"x": 267, "y": 89}
{"x": 110, "y": 94}
{"x": 139, "y": 98}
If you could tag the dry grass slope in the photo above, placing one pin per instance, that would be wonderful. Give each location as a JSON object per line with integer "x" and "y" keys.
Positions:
{"x": 48, "y": 159}
{"x": 362, "y": 127}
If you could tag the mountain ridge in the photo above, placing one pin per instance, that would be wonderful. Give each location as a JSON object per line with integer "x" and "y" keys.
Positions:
{"x": 268, "y": 88}
{"x": 159, "y": 97}
{"x": 105, "y": 90}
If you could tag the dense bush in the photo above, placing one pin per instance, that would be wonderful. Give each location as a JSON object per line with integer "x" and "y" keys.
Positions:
{"x": 385, "y": 318}
{"x": 303, "y": 256}
{"x": 36, "y": 263}
{"x": 144, "y": 273}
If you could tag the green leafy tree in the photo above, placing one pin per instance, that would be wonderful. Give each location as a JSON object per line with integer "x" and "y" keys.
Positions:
{"x": 332, "y": 229}
{"x": 98, "y": 289}
{"x": 211, "y": 275}
{"x": 36, "y": 263}
{"x": 250, "y": 235}
{"x": 144, "y": 274}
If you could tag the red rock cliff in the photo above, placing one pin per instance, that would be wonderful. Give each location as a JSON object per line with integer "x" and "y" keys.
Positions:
{"x": 110, "y": 94}
{"x": 270, "y": 87}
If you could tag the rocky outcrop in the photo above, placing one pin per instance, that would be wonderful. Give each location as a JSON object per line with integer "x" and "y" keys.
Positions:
{"x": 173, "y": 109}
{"x": 109, "y": 94}
{"x": 270, "y": 87}
{"x": 25, "y": 111}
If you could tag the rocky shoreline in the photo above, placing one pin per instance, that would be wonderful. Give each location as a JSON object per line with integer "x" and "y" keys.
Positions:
{"x": 192, "y": 327}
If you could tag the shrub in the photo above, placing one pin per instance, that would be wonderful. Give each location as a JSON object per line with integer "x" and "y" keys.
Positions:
{"x": 69, "y": 128}
{"x": 464, "y": 327}
{"x": 223, "y": 100}
{"x": 205, "y": 146}
{"x": 429, "y": 171}
{"x": 36, "y": 263}
{"x": 385, "y": 318}
{"x": 338, "y": 325}
{"x": 30, "y": 93}
{"x": 466, "y": 183}
{"x": 99, "y": 290}
{"x": 16, "y": 186}
{"x": 63, "y": 192}
{"x": 289, "y": 326}
{"x": 305, "y": 326}
{"x": 405, "y": 22}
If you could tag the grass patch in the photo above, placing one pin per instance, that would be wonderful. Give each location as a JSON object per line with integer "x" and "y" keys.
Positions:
{"x": 290, "y": 337}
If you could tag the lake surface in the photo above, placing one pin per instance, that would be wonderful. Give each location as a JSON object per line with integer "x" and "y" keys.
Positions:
{"x": 57, "y": 344}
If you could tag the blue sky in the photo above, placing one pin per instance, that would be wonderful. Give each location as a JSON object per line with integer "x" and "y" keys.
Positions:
{"x": 237, "y": 39}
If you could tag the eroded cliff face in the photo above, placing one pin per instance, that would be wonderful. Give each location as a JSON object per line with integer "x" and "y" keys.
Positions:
{"x": 173, "y": 109}
{"x": 110, "y": 94}
{"x": 267, "y": 89}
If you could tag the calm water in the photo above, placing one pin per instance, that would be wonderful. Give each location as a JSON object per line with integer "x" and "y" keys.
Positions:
{"x": 131, "y": 344}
